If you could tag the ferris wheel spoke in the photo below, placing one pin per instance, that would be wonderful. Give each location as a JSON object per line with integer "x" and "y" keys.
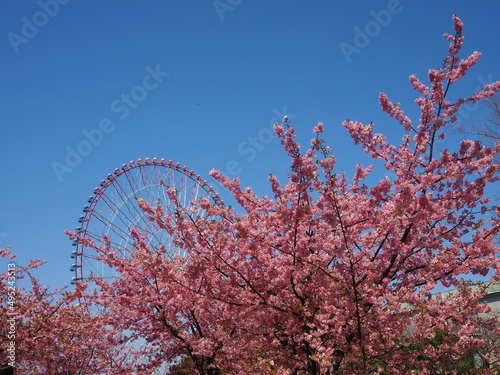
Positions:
{"x": 126, "y": 197}
{"x": 111, "y": 228}
{"x": 122, "y": 215}
{"x": 144, "y": 227}
{"x": 132, "y": 182}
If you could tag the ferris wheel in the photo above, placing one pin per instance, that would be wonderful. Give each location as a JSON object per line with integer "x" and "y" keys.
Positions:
{"x": 113, "y": 210}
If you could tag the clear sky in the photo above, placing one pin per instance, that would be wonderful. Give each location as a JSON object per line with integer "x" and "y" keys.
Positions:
{"x": 199, "y": 82}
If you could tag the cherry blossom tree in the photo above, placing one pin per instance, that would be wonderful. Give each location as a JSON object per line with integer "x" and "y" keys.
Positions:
{"x": 328, "y": 274}
{"x": 48, "y": 332}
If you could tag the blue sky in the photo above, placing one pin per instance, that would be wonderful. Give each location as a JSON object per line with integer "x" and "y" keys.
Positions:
{"x": 209, "y": 78}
